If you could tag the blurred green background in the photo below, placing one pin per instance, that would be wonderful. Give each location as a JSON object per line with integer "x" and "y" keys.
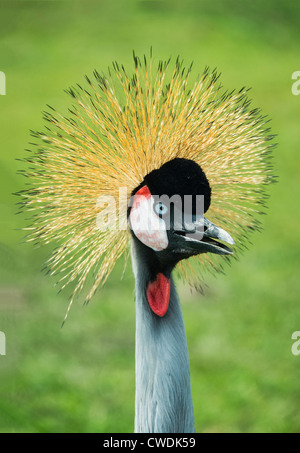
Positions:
{"x": 81, "y": 378}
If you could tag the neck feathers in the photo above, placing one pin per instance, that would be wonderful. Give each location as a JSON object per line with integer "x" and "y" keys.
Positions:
{"x": 163, "y": 390}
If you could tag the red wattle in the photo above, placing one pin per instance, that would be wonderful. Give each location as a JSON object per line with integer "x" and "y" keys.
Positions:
{"x": 158, "y": 295}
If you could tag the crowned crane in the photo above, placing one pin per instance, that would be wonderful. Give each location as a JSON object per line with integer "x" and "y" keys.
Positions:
{"x": 159, "y": 136}
{"x": 163, "y": 389}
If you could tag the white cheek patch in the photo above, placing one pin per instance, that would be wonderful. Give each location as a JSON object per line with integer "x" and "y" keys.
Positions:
{"x": 146, "y": 225}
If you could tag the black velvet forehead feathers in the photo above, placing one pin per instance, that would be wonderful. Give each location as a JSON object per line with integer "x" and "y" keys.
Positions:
{"x": 179, "y": 177}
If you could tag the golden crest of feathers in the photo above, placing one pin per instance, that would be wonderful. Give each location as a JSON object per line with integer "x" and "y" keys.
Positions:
{"x": 119, "y": 129}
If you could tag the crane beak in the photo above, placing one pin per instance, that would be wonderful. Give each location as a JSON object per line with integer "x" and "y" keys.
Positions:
{"x": 201, "y": 236}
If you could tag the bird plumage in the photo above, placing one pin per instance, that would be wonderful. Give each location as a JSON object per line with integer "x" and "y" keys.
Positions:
{"x": 119, "y": 129}
{"x": 163, "y": 400}
{"x": 121, "y": 132}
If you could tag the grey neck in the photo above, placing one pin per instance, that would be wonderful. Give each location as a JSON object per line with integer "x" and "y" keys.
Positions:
{"x": 163, "y": 402}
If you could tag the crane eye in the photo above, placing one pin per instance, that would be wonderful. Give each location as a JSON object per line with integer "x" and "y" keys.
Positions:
{"x": 160, "y": 208}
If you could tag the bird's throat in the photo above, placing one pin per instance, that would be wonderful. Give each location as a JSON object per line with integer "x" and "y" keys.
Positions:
{"x": 158, "y": 294}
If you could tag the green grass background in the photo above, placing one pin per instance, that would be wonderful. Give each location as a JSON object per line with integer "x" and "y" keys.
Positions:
{"x": 81, "y": 378}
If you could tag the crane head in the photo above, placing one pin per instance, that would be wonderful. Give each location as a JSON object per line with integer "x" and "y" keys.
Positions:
{"x": 166, "y": 215}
